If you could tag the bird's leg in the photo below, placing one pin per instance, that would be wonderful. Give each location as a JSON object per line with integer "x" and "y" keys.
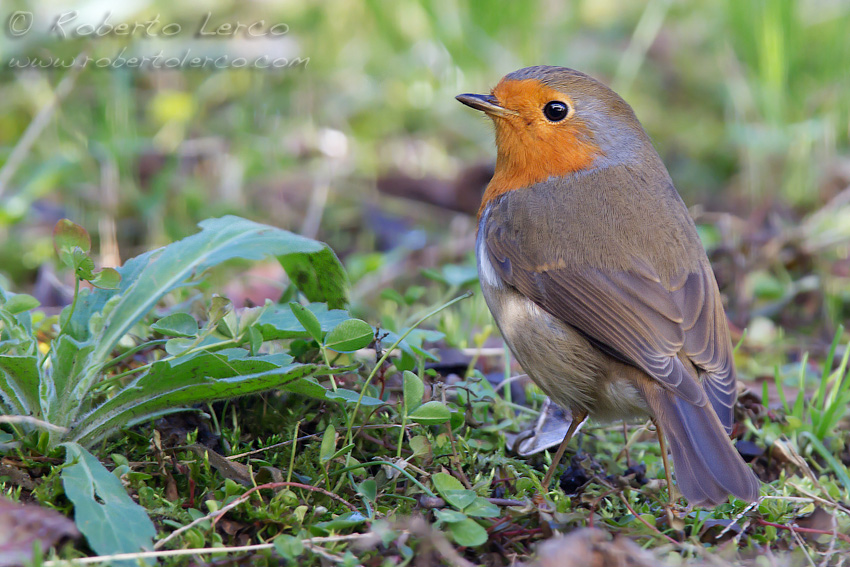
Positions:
{"x": 626, "y": 443}
{"x": 578, "y": 419}
{"x": 663, "y": 444}
{"x": 673, "y": 520}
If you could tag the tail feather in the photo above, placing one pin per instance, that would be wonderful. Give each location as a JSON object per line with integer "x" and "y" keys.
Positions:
{"x": 706, "y": 465}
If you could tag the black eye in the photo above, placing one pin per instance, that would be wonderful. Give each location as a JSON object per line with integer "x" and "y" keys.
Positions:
{"x": 556, "y": 110}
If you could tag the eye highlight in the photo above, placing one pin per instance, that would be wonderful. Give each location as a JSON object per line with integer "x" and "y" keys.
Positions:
{"x": 555, "y": 110}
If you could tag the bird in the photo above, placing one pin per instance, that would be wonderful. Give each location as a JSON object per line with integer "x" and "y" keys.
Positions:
{"x": 596, "y": 277}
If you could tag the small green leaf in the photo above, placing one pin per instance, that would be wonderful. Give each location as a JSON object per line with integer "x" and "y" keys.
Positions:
{"x": 420, "y": 446}
{"x": 82, "y": 264}
{"x": 20, "y": 302}
{"x": 103, "y": 512}
{"x": 444, "y": 481}
{"x": 343, "y": 521}
{"x": 328, "y": 444}
{"x": 460, "y": 499}
{"x": 468, "y": 533}
{"x": 368, "y": 489}
{"x": 289, "y": 547}
{"x": 352, "y": 397}
{"x": 344, "y": 451}
{"x": 219, "y": 308}
{"x": 107, "y": 278}
{"x": 309, "y": 321}
{"x": 349, "y": 336}
{"x": 68, "y": 235}
{"x": 482, "y": 508}
{"x": 177, "y": 325}
{"x": 179, "y": 345}
{"x": 449, "y": 516}
{"x": 431, "y": 413}
{"x": 414, "y": 389}
{"x": 228, "y": 325}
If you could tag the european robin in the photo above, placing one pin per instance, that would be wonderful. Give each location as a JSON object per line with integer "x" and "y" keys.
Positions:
{"x": 595, "y": 275}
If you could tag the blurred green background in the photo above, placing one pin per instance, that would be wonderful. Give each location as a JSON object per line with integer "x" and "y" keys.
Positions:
{"x": 748, "y": 103}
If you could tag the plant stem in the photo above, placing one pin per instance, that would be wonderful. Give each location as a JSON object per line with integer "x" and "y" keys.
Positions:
{"x": 388, "y": 351}
{"x": 328, "y": 364}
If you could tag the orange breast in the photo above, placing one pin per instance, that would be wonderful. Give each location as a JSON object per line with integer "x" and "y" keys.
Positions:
{"x": 530, "y": 148}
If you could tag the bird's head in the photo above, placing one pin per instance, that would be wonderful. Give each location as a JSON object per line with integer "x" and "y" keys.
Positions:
{"x": 554, "y": 121}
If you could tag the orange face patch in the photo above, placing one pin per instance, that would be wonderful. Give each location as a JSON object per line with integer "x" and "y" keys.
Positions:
{"x": 531, "y": 148}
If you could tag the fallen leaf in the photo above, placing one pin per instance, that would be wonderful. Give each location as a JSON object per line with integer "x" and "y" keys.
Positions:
{"x": 22, "y": 525}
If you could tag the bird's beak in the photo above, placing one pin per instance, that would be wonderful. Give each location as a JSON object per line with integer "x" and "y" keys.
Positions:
{"x": 486, "y": 104}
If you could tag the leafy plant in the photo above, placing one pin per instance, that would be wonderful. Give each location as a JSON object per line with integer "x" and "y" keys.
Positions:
{"x": 467, "y": 504}
{"x": 69, "y": 388}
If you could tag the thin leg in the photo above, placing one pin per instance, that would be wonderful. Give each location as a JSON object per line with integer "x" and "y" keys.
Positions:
{"x": 670, "y": 494}
{"x": 626, "y": 443}
{"x": 578, "y": 419}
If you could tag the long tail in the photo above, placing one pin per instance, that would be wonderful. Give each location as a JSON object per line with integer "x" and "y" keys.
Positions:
{"x": 706, "y": 465}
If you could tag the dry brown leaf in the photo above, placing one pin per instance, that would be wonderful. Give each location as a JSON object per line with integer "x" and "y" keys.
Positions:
{"x": 22, "y": 525}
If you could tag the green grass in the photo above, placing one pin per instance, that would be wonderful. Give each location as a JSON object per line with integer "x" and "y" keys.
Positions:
{"x": 746, "y": 102}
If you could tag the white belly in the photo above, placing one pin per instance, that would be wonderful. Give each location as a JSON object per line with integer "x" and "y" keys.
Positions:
{"x": 572, "y": 372}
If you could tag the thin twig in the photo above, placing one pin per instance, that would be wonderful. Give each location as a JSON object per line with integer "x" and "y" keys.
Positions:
{"x": 218, "y": 513}
{"x": 310, "y": 543}
{"x": 797, "y": 529}
{"x": 644, "y": 522}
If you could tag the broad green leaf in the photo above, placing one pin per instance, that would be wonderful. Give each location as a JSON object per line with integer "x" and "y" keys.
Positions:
{"x": 319, "y": 275}
{"x": 107, "y": 278}
{"x": 308, "y": 320}
{"x": 413, "y": 389}
{"x": 431, "y": 413}
{"x": 147, "y": 278}
{"x": 482, "y": 508}
{"x": 20, "y": 302}
{"x": 104, "y": 513}
{"x": 468, "y": 533}
{"x": 201, "y": 377}
{"x": 19, "y": 381}
{"x": 177, "y": 325}
{"x": 68, "y": 235}
{"x": 281, "y": 323}
{"x": 349, "y": 336}
{"x": 102, "y": 317}
{"x": 328, "y": 446}
{"x": 59, "y": 394}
